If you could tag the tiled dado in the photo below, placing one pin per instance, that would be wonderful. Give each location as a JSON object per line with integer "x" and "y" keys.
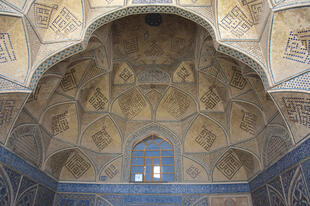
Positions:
{"x": 10, "y": 160}
{"x": 291, "y": 159}
{"x": 16, "y": 188}
{"x": 287, "y": 182}
{"x": 23, "y": 184}
{"x": 154, "y": 188}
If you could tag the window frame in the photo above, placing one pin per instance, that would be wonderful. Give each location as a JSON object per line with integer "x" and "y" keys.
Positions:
{"x": 153, "y": 136}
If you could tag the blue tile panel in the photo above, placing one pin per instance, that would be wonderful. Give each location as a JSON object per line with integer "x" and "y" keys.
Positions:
{"x": 13, "y": 161}
{"x": 66, "y": 199}
{"x": 74, "y": 200}
{"x": 291, "y": 174}
{"x": 154, "y": 188}
{"x": 16, "y": 189}
{"x": 287, "y": 182}
{"x": 295, "y": 156}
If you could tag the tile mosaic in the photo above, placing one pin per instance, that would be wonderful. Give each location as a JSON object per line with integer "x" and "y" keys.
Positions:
{"x": 27, "y": 198}
{"x": 260, "y": 197}
{"x": 14, "y": 178}
{"x": 293, "y": 157}
{"x": 306, "y": 170}
{"x": 5, "y": 194}
{"x": 277, "y": 185}
{"x": 63, "y": 199}
{"x": 13, "y": 161}
{"x": 44, "y": 197}
{"x": 25, "y": 185}
{"x": 154, "y": 188}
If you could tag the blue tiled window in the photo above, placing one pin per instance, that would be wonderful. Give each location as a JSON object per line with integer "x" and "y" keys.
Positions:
{"x": 152, "y": 161}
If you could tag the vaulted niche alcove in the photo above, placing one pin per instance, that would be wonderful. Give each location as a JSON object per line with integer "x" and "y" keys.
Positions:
{"x": 150, "y": 76}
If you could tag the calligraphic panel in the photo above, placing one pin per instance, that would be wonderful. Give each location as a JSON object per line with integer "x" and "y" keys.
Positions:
{"x": 58, "y": 20}
{"x": 102, "y": 136}
{"x": 132, "y": 105}
{"x": 246, "y": 121}
{"x": 296, "y": 109}
{"x": 212, "y": 94}
{"x": 184, "y": 73}
{"x": 237, "y": 82}
{"x": 13, "y": 49}
{"x": 71, "y": 79}
{"x": 175, "y": 105}
{"x": 94, "y": 95}
{"x": 194, "y": 172}
{"x": 112, "y": 171}
{"x": 123, "y": 74}
{"x": 289, "y": 44}
{"x": 61, "y": 122}
{"x": 77, "y": 167}
{"x": 204, "y": 135}
{"x": 237, "y": 18}
{"x": 10, "y": 104}
{"x": 229, "y": 167}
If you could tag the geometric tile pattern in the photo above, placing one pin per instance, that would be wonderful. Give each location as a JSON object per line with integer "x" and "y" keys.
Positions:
{"x": 275, "y": 198}
{"x": 294, "y": 181}
{"x": 44, "y": 197}
{"x": 25, "y": 185}
{"x": 74, "y": 199}
{"x": 14, "y": 178}
{"x": 6, "y": 85}
{"x": 298, "y": 194}
{"x": 5, "y": 195}
{"x": 203, "y": 202}
{"x": 27, "y": 198}
{"x": 301, "y": 82}
{"x": 260, "y": 197}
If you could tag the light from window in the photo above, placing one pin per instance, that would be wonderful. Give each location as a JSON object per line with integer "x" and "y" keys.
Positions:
{"x": 138, "y": 177}
{"x": 156, "y": 172}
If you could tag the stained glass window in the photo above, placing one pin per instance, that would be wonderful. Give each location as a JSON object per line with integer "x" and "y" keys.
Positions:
{"x": 152, "y": 161}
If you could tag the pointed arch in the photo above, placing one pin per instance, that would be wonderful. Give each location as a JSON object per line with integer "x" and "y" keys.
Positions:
{"x": 153, "y": 129}
{"x": 70, "y": 164}
{"x": 103, "y": 19}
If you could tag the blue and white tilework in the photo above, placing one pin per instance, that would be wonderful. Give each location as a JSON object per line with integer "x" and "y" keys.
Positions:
{"x": 5, "y": 192}
{"x": 17, "y": 189}
{"x": 287, "y": 181}
{"x": 301, "y": 82}
{"x": 13, "y": 161}
{"x": 74, "y": 200}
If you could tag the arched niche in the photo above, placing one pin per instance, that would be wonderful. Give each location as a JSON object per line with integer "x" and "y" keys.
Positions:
{"x": 153, "y": 129}
{"x": 235, "y": 165}
{"x": 70, "y": 165}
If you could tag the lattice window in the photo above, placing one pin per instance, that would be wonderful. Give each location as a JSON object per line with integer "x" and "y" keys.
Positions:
{"x": 152, "y": 161}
